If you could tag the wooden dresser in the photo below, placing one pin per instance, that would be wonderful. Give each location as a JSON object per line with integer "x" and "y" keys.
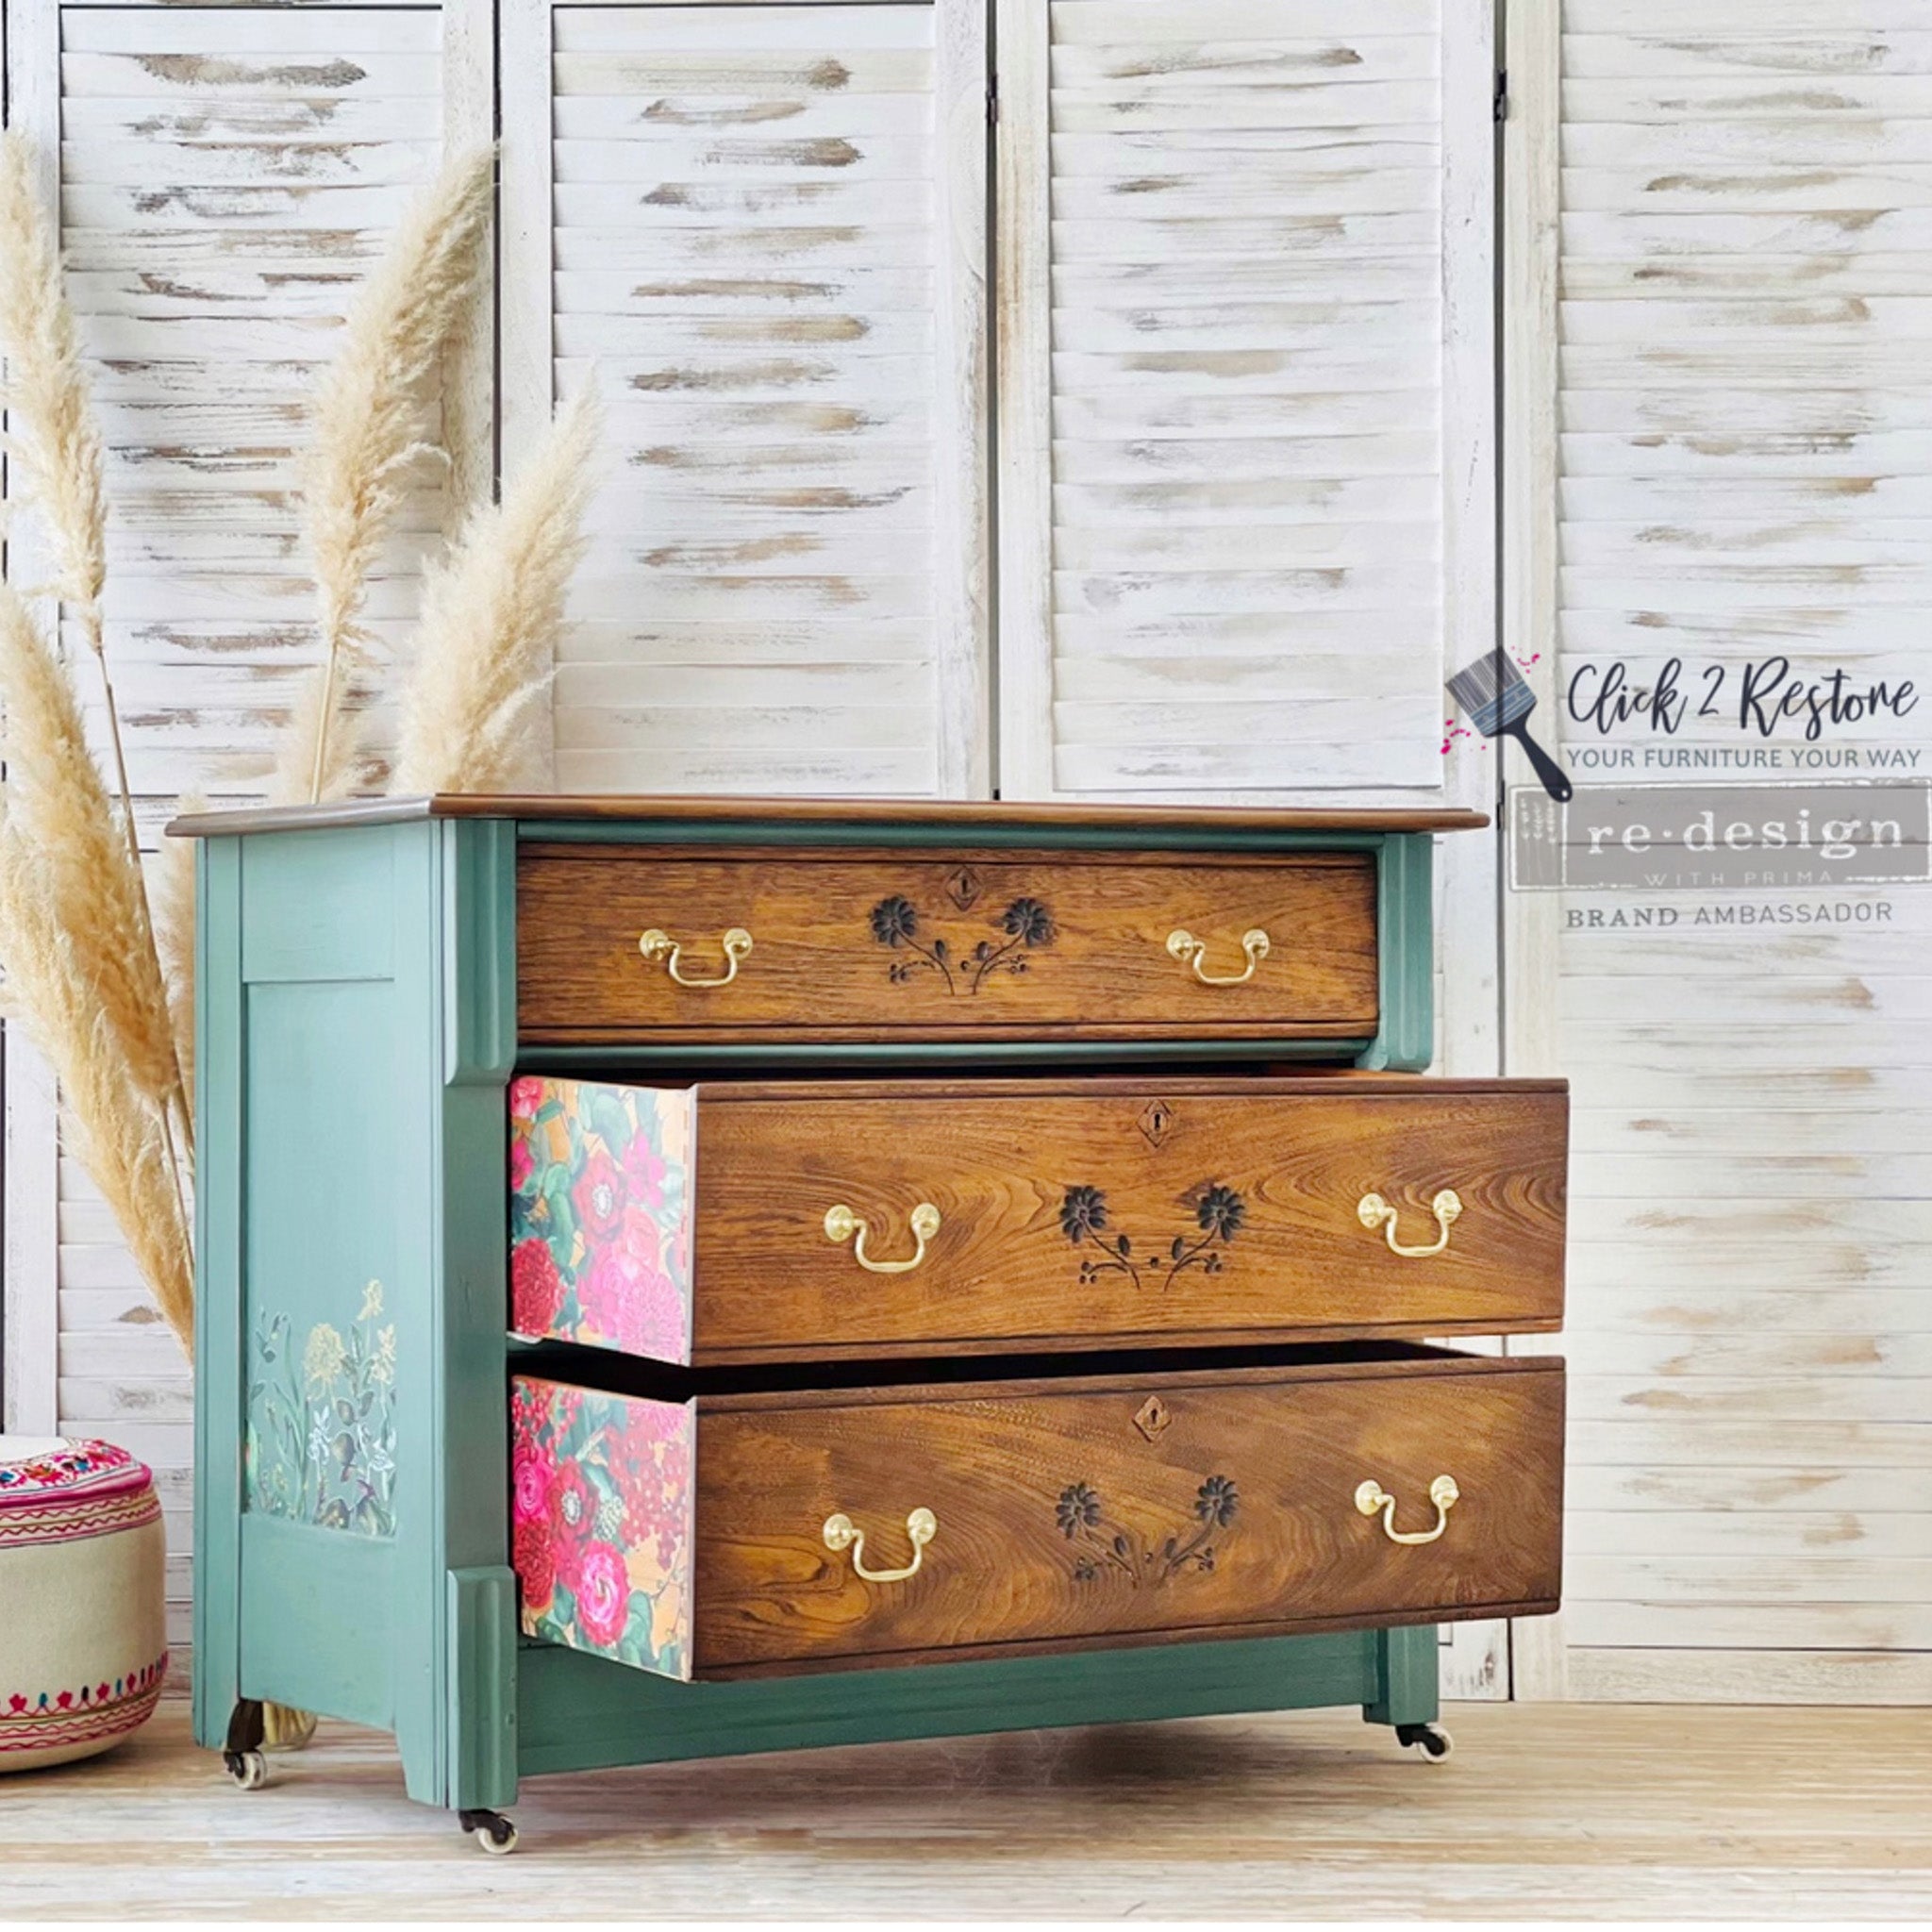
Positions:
{"x": 659, "y": 1258}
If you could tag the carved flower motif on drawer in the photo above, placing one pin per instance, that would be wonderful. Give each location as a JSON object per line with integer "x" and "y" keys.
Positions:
{"x": 1219, "y": 1213}
{"x": 1103, "y": 1548}
{"x": 1024, "y": 927}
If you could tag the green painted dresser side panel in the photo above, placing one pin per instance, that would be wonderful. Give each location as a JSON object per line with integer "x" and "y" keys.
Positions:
{"x": 320, "y": 1028}
{"x": 318, "y": 1629}
{"x": 325, "y": 1323}
{"x": 581, "y": 1711}
{"x": 219, "y": 1376}
{"x": 318, "y": 906}
{"x": 334, "y": 1318}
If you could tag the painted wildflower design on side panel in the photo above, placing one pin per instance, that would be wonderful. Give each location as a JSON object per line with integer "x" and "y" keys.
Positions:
{"x": 321, "y": 1443}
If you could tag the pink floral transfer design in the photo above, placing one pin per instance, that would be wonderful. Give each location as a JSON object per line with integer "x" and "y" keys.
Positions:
{"x": 602, "y": 1511}
{"x": 599, "y": 1216}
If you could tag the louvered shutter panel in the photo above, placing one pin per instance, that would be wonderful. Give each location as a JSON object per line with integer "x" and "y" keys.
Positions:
{"x": 1721, "y": 453}
{"x": 227, "y": 176}
{"x": 1245, "y": 394}
{"x": 767, "y": 234}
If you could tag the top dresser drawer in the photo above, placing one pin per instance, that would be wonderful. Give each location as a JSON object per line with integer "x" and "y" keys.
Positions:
{"x": 625, "y": 942}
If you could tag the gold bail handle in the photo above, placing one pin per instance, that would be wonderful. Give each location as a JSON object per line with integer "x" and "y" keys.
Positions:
{"x": 657, "y": 944}
{"x": 1371, "y": 1497}
{"x": 921, "y": 1527}
{"x": 1375, "y": 1212}
{"x": 843, "y": 1225}
{"x": 1192, "y": 952}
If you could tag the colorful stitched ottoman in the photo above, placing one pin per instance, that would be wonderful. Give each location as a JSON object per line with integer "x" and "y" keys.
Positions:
{"x": 83, "y": 1639}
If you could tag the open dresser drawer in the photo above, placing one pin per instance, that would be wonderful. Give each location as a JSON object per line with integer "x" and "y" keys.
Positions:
{"x": 740, "y": 1221}
{"x": 823, "y": 1527}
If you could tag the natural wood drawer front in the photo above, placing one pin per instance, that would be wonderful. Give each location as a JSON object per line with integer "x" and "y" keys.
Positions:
{"x": 964, "y": 945}
{"x": 1060, "y": 1214}
{"x": 1069, "y": 1512}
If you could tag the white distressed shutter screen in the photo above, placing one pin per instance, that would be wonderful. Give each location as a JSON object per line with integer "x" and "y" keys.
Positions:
{"x": 767, "y": 231}
{"x": 227, "y": 175}
{"x": 224, "y": 176}
{"x": 1244, "y": 277}
{"x": 1721, "y": 452}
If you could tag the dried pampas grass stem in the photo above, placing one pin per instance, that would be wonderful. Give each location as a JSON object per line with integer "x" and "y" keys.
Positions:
{"x": 51, "y": 990}
{"x": 52, "y": 438}
{"x": 369, "y": 425}
{"x": 174, "y": 937}
{"x": 91, "y": 882}
{"x": 476, "y": 699}
{"x": 56, "y": 449}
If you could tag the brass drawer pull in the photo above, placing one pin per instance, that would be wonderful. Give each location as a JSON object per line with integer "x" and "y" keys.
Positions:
{"x": 1186, "y": 948}
{"x": 922, "y": 1526}
{"x": 1376, "y": 1212}
{"x": 1371, "y": 1496}
{"x": 842, "y": 1225}
{"x": 660, "y": 946}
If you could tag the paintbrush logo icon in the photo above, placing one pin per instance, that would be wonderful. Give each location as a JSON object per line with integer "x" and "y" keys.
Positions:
{"x": 1496, "y": 701}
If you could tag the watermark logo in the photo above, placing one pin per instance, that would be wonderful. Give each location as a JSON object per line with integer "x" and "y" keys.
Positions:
{"x": 1721, "y": 838}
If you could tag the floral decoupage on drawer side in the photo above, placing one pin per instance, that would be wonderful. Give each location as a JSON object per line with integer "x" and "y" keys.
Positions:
{"x": 601, "y": 1190}
{"x": 602, "y": 1516}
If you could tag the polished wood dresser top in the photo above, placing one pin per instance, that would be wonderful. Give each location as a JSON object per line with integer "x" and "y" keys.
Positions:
{"x": 892, "y": 817}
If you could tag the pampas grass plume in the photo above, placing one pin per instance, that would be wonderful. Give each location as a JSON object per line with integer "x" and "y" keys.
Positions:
{"x": 56, "y": 447}
{"x": 174, "y": 937}
{"x": 52, "y": 438}
{"x": 52, "y": 991}
{"x": 59, "y": 807}
{"x": 369, "y": 427}
{"x": 477, "y": 698}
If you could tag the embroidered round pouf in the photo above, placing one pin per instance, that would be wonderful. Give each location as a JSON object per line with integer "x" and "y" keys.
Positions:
{"x": 83, "y": 1636}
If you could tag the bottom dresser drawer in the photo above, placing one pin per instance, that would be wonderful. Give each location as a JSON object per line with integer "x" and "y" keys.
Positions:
{"x": 736, "y": 1534}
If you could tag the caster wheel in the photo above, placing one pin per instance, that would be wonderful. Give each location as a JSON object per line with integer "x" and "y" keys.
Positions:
{"x": 492, "y": 1830}
{"x": 248, "y": 1769}
{"x": 1431, "y": 1741}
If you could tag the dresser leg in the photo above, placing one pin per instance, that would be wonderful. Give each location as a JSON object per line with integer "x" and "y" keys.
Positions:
{"x": 1406, "y": 1661}
{"x": 481, "y": 1734}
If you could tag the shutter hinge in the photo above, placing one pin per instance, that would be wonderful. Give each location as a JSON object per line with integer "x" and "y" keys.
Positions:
{"x": 993, "y": 100}
{"x": 1499, "y": 103}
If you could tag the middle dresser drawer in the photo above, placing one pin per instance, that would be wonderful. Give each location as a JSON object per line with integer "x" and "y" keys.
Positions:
{"x": 739, "y": 1223}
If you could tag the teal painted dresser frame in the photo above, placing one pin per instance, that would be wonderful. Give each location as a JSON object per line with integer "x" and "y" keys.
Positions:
{"x": 356, "y": 1007}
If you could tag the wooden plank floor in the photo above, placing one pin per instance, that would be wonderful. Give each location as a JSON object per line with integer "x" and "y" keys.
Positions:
{"x": 1564, "y": 1811}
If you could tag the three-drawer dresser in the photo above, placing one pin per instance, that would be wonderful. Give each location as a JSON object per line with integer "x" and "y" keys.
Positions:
{"x": 689, "y": 1276}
